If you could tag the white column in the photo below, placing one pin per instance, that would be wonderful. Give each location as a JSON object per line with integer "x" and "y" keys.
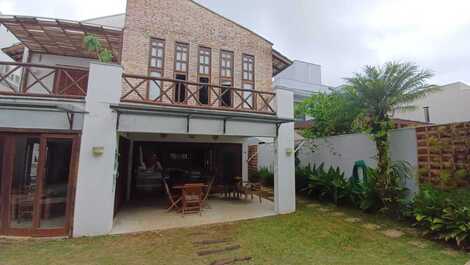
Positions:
{"x": 245, "y": 161}
{"x": 94, "y": 200}
{"x": 284, "y": 164}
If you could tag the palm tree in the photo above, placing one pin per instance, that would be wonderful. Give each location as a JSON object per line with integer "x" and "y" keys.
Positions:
{"x": 380, "y": 91}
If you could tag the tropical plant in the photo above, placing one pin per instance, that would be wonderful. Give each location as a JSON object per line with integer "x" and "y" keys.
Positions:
{"x": 364, "y": 194}
{"x": 443, "y": 215}
{"x": 328, "y": 184}
{"x": 93, "y": 44}
{"x": 302, "y": 174}
{"x": 266, "y": 177}
{"x": 333, "y": 113}
{"x": 380, "y": 91}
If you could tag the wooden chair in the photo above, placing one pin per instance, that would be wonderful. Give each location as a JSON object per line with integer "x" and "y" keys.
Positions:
{"x": 25, "y": 206}
{"x": 250, "y": 189}
{"x": 173, "y": 199}
{"x": 208, "y": 193}
{"x": 192, "y": 198}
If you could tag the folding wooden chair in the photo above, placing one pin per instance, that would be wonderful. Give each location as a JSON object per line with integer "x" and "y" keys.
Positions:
{"x": 174, "y": 200}
{"x": 192, "y": 198}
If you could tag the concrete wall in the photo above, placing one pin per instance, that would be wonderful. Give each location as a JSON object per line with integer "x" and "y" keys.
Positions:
{"x": 450, "y": 104}
{"x": 94, "y": 202}
{"x": 302, "y": 78}
{"x": 343, "y": 151}
{"x": 39, "y": 118}
{"x": 284, "y": 166}
{"x": 197, "y": 126}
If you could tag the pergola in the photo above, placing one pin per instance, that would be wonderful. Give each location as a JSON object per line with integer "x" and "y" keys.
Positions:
{"x": 59, "y": 37}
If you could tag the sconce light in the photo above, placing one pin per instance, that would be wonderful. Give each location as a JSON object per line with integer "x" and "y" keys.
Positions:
{"x": 98, "y": 151}
{"x": 289, "y": 151}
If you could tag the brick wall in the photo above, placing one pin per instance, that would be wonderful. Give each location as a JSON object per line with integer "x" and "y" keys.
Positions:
{"x": 185, "y": 21}
{"x": 444, "y": 154}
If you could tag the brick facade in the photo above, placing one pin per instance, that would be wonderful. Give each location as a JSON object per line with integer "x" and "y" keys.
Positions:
{"x": 187, "y": 22}
{"x": 444, "y": 154}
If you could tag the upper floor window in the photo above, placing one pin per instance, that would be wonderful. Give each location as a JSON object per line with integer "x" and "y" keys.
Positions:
{"x": 204, "y": 72}
{"x": 156, "y": 65}
{"x": 157, "y": 54}
{"x": 181, "y": 57}
{"x": 226, "y": 77}
{"x": 226, "y": 64}
{"x": 248, "y": 68}
{"x": 204, "y": 61}
{"x": 248, "y": 80}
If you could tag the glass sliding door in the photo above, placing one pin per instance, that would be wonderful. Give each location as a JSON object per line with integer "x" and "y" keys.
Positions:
{"x": 24, "y": 182}
{"x": 2, "y": 180}
{"x": 37, "y": 174}
{"x": 54, "y": 189}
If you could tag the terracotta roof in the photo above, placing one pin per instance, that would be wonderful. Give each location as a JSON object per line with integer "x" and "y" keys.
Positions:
{"x": 61, "y": 37}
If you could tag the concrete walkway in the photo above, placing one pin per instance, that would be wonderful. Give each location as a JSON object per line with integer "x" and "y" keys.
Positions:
{"x": 140, "y": 218}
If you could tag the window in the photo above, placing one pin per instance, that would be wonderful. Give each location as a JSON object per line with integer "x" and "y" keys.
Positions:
{"x": 181, "y": 70}
{"x": 156, "y": 66}
{"x": 248, "y": 80}
{"x": 226, "y": 77}
{"x": 204, "y": 73}
{"x": 181, "y": 57}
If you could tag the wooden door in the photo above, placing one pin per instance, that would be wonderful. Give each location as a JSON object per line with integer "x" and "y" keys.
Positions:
{"x": 40, "y": 176}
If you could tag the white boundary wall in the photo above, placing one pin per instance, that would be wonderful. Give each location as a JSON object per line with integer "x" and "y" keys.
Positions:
{"x": 344, "y": 150}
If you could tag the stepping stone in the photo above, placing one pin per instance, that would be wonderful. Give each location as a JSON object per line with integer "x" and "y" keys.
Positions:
{"x": 468, "y": 263}
{"x": 371, "y": 226}
{"x": 338, "y": 214}
{"x": 313, "y": 205}
{"x": 230, "y": 261}
{"x": 216, "y": 251}
{"x": 324, "y": 210}
{"x": 452, "y": 253}
{"x": 411, "y": 231}
{"x": 393, "y": 233}
{"x": 418, "y": 244}
{"x": 353, "y": 220}
{"x": 211, "y": 242}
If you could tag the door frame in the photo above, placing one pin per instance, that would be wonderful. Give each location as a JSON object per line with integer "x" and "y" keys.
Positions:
{"x": 8, "y": 167}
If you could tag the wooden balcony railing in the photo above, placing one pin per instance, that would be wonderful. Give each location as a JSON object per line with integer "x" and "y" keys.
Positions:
{"x": 22, "y": 79}
{"x": 170, "y": 92}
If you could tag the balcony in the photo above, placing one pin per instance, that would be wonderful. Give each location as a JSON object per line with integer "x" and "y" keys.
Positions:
{"x": 170, "y": 92}
{"x": 20, "y": 79}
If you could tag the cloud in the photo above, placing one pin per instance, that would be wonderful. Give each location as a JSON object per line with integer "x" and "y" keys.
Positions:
{"x": 341, "y": 35}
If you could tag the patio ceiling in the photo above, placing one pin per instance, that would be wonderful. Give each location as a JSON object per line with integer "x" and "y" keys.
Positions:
{"x": 60, "y": 37}
{"x": 280, "y": 62}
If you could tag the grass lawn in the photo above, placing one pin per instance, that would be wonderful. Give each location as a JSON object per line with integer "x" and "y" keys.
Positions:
{"x": 314, "y": 235}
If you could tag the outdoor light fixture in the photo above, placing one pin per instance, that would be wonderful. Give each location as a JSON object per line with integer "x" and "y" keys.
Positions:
{"x": 289, "y": 151}
{"x": 98, "y": 151}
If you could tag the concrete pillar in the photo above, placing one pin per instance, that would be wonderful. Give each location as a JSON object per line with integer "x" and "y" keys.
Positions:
{"x": 94, "y": 199}
{"x": 284, "y": 164}
{"x": 245, "y": 162}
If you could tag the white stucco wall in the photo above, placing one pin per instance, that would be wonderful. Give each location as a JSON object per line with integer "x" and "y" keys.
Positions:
{"x": 284, "y": 165}
{"x": 344, "y": 150}
{"x": 450, "y": 104}
{"x": 94, "y": 202}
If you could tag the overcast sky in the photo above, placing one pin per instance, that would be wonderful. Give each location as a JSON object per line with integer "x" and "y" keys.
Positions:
{"x": 340, "y": 35}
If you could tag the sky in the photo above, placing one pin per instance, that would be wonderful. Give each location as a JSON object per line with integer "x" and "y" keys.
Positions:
{"x": 340, "y": 35}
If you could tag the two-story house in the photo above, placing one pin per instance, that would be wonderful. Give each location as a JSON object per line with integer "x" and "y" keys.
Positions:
{"x": 82, "y": 142}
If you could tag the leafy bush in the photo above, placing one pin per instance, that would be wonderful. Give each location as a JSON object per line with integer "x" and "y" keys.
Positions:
{"x": 364, "y": 194}
{"x": 444, "y": 215}
{"x": 302, "y": 174}
{"x": 328, "y": 184}
{"x": 265, "y": 177}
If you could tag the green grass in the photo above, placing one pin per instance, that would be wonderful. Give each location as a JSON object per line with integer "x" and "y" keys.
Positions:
{"x": 306, "y": 237}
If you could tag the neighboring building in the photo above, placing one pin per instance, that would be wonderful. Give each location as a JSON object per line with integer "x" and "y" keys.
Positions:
{"x": 187, "y": 88}
{"x": 448, "y": 105}
{"x": 302, "y": 78}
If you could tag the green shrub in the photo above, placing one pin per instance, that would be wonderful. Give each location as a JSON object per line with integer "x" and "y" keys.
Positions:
{"x": 302, "y": 174}
{"x": 328, "y": 185}
{"x": 444, "y": 215}
{"x": 364, "y": 194}
{"x": 265, "y": 176}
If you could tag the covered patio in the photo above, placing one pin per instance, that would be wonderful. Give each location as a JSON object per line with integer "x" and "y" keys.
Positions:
{"x": 138, "y": 217}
